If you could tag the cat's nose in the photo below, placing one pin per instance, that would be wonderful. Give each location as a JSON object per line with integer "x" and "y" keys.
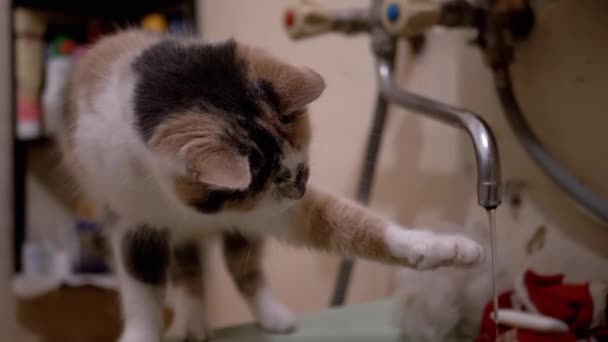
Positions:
{"x": 294, "y": 190}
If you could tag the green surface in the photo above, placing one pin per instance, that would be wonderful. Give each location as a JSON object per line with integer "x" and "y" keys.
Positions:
{"x": 352, "y": 323}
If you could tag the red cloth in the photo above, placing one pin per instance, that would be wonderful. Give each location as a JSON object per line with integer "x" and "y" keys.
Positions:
{"x": 573, "y": 304}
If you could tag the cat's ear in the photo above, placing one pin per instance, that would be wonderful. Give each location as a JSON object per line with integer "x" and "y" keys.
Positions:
{"x": 296, "y": 87}
{"x": 222, "y": 169}
{"x": 292, "y": 87}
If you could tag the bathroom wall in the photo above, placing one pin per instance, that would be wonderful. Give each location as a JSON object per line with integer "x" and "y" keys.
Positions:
{"x": 303, "y": 279}
{"x": 426, "y": 174}
{"x": 559, "y": 73}
{"x": 426, "y": 170}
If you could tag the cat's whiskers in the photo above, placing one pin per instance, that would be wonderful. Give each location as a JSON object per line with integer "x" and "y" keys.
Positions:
{"x": 249, "y": 253}
{"x": 274, "y": 193}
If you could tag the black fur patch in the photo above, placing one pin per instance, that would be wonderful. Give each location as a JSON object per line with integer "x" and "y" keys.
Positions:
{"x": 264, "y": 156}
{"x": 270, "y": 95}
{"x": 302, "y": 177}
{"x": 235, "y": 242}
{"x": 174, "y": 78}
{"x": 146, "y": 254}
{"x": 263, "y": 161}
{"x": 187, "y": 259}
{"x": 236, "y": 250}
{"x": 214, "y": 202}
{"x": 248, "y": 282}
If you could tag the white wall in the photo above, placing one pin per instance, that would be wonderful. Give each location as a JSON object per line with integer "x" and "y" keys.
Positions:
{"x": 425, "y": 171}
{"x": 426, "y": 175}
{"x": 340, "y": 119}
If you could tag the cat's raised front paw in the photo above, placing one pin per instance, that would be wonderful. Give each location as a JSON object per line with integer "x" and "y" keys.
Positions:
{"x": 423, "y": 249}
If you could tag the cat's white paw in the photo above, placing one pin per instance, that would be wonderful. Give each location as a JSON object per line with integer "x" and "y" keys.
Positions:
{"x": 425, "y": 250}
{"x": 189, "y": 322}
{"x": 276, "y": 318}
{"x": 271, "y": 314}
{"x": 192, "y": 330}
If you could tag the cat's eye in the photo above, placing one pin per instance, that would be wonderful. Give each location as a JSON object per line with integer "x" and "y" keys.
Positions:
{"x": 283, "y": 177}
{"x": 303, "y": 174}
{"x": 292, "y": 116}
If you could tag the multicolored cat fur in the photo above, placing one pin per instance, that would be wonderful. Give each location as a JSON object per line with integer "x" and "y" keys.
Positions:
{"x": 184, "y": 141}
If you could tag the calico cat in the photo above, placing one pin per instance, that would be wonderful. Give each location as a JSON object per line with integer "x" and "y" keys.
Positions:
{"x": 180, "y": 141}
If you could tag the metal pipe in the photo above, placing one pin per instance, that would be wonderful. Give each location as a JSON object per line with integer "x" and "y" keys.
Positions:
{"x": 374, "y": 141}
{"x": 488, "y": 164}
{"x": 383, "y": 45}
{"x": 591, "y": 201}
{"x": 351, "y": 21}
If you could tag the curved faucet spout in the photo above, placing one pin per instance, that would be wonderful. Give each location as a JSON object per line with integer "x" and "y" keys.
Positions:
{"x": 484, "y": 143}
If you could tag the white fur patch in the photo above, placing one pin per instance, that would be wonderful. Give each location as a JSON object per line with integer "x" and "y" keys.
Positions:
{"x": 189, "y": 319}
{"x": 141, "y": 304}
{"x": 271, "y": 314}
{"x": 426, "y": 250}
{"x": 428, "y": 306}
{"x": 292, "y": 159}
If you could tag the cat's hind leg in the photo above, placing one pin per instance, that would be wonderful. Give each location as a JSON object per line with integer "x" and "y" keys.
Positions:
{"x": 186, "y": 294}
{"x": 243, "y": 258}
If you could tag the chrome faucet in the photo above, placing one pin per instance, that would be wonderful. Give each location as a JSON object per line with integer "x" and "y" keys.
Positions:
{"x": 488, "y": 165}
{"x": 385, "y": 21}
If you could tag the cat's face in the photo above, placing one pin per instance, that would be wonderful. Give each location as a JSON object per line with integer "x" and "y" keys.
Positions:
{"x": 233, "y": 116}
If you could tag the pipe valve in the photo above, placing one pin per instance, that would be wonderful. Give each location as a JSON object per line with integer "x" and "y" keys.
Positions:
{"x": 307, "y": 18}
{"x": 409, "y": 17}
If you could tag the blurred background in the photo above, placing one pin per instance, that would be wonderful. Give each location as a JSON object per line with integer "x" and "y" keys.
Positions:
{"x": 425, "y": 175}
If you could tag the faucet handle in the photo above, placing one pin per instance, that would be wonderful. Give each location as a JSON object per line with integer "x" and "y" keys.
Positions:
{"x": 409, "y": 17}
{"x": 307, "y": 18}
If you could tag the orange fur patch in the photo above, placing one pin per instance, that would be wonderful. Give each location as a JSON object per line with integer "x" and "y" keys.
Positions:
{"x": 186, "y": 269}
{"x": 328, "y": 223}
{"x": 243, "y": 259}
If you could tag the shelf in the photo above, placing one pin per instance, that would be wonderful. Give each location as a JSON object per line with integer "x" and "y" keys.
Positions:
{"x": 114, "y": 9}
{"x": 70, "y": 18}
{"x": 36, "y": 141}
